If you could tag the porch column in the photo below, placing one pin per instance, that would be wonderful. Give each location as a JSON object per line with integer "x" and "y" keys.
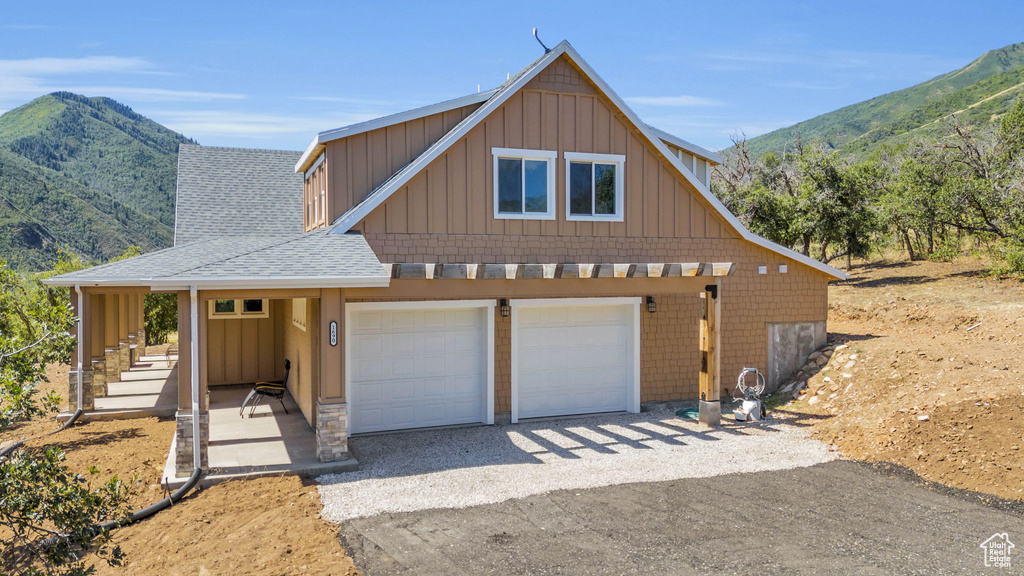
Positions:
{"x": 140, "y": 321}
{"x": 331, "y": 409}
{"x": 83, "y": 351}
{"x": 710, "y": 411}
{"x": 124, "y": 347}
{"x": 97, "y": 350}
{"x": 184, "y": 435}
{"x": 133, "y": 327}
{"x": 111, "y": 350}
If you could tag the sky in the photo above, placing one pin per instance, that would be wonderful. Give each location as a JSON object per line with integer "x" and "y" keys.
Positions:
{"x": 273, "y": 74}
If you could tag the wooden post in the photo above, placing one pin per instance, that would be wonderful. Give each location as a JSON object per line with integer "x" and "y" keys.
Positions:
{"x": 710, "y": 412}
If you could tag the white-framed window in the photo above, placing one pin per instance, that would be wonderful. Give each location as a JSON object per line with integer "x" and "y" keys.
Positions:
{"x": 594, "y": 185}
{"x": 240, "y": 308}
{"x": 299, "y": 313}
{"x": 524, "y": 184}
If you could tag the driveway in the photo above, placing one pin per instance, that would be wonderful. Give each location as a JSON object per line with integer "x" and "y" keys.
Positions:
{"x": 461, "y": 467}
{"x": 838, "y": 517}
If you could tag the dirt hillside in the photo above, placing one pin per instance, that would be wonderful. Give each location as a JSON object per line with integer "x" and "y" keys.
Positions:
{"x": 925, "y": 370}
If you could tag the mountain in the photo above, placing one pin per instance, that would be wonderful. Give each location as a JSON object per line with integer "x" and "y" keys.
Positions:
{"x": 977, "y": 94}
{"x": 86, "y": 173}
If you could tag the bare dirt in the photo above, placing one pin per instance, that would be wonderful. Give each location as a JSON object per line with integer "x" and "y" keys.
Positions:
{"x": 262, "y": 526}
{"x": 927, "y": 372}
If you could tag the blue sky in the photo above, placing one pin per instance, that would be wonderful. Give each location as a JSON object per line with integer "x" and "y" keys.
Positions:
{"x": 272, "y": 74}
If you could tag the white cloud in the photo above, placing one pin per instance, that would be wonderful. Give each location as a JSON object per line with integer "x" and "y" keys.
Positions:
{"x": 154, "y": 94}
{"x": 673, "y": 101}
{"x": 200, "y": 124}
{"x": 39, "y": 67}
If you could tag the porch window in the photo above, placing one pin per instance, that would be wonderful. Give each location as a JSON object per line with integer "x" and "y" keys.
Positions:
{"x": 240, "y": 308}
{"x": 524, "y": 184}
{"x": 594, "y": 186}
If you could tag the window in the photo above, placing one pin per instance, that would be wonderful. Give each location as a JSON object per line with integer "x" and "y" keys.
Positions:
{"x": 594, "y": 186}
{"x": 524, "y": 184}
{"x": 299, "y": 313}
{"x": 240, "y": 308}
{"x": 315, "y": 194}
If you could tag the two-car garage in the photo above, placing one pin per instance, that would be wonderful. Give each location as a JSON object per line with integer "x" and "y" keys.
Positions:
{"x": 423, "y": 364}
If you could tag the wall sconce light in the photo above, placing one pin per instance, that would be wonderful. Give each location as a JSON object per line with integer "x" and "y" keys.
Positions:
{"x": 652, "y": 306}
{"x": 504, "y": 307}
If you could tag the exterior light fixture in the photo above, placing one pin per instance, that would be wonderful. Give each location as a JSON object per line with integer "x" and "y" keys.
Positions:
{"x": 652, "y": 306}
{"x": 505, "y": 308}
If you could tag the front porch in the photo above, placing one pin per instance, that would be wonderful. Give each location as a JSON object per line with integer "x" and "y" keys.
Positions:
{"x": 269, "y": 443}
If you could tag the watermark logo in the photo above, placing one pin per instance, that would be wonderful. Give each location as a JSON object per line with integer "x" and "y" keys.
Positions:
{"x": 997, "y": 550}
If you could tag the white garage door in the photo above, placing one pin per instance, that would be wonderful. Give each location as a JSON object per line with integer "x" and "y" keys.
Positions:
{"x": 575, "y": 356}
{"x": 418, "y": 364}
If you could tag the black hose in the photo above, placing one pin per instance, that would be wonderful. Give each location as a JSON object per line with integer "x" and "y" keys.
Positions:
{"x": 12, "y": 447}
{"x": 137, "y": 515}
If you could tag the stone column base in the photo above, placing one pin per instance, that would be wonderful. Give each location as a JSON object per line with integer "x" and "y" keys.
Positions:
{"x": 124, "y": 351}
{"x": 87, "y": 398}
{"x": 142, "y": 342}
{"x": 183, "y": 457}
{"x": 331, "y": 432}
{"x": 112, "y": 362}
{"x": 709, "y": 413}
{"x": 99, "y": 379}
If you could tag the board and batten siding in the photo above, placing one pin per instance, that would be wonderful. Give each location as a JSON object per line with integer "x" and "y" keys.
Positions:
{"x": 454, "y": 194}
{"x": 243, "y": 350}
{"x": 358, "y": 164}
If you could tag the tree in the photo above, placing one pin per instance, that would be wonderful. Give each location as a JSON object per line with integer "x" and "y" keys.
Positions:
{"x": 46, "y": 511}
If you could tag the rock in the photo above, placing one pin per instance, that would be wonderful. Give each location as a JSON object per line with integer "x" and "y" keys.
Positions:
{"x": 842, "y": 347}
{"x": 813, "y": 400}
{"x": 847, "y": 375}
{"x": 901, "y": 394}
{"x": 924, "y": 417}
{"x": 853, "y": 356}
{"x": 788, "y": 388}
{"x": 833, "y": 396}
{"x": 821, "y": 361}
{"x": 814, "y": 356}
{"x": 827, "y": 379}
{"x": 849, "y": 365}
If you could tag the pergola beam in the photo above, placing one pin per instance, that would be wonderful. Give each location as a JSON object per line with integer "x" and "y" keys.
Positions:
{"x": 424, "y": 271}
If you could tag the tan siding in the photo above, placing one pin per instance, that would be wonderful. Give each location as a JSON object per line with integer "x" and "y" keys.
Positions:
{"x": 360, "y": 163}
{"x": 300, "y": 350}
{"x": 241, "y": 350}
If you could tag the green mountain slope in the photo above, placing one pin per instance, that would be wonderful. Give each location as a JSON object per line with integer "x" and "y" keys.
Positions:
{"x": 87, "y": 173}
{"x": 102, "y": 144}
{"x": 976, "y": 94}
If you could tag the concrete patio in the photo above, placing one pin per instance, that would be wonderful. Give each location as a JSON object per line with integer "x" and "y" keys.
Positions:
{"x": 270, "y": 443}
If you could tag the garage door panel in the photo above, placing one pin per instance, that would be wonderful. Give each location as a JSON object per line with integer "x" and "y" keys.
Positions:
{"x": 414, "y": 368}
{"x": 574, "y": 359}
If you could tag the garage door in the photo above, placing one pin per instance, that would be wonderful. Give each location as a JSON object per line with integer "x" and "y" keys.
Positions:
{"x": 414, "y": 364}
{"x": 575, "y": 356}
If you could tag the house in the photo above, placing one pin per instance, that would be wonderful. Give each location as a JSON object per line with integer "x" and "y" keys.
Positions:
{"x": 529, "y": 251}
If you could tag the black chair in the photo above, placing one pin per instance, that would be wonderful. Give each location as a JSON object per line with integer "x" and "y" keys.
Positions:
{"x": 268, "y": 389}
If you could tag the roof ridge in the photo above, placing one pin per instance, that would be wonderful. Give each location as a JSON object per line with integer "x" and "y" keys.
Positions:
{"x": 234, "y": 148}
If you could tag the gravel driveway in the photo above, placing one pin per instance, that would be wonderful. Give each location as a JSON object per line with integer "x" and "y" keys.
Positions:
{"x": 456, "y": 468}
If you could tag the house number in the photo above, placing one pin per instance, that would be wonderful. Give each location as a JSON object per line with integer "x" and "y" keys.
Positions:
{"x": 334, "y": 333}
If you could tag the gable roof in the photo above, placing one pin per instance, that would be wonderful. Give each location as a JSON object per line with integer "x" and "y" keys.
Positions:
{"x": 317, "y": 145}
{"x": 377, "y": 196}
{"x": 313, "y": 260}
{"x": 236, "y": 192}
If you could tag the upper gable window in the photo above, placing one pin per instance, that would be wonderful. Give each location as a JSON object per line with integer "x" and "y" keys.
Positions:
{"x": 594, "y": 186}
{"x": 524, "y": 184}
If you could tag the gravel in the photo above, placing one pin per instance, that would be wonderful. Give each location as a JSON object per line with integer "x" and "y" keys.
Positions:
{"x": 459, "y": 467}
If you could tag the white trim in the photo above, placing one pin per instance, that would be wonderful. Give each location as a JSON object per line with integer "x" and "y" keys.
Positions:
{"x": 384, "y": 121}
{"x": 316, "y": 164}
{"x": 687, "y": 146}
{"x": 487, "y": 417}
{"x": 547, "y": 156}
{"x": 230, "y": 282}
{"x": 402, "y": 177}
{"x": 617, "y": 160}
{"x": 632, "y": 395}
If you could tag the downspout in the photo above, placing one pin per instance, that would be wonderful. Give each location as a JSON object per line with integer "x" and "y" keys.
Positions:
{"x": 197, "y": 459}
{"x": 78, "y": 291}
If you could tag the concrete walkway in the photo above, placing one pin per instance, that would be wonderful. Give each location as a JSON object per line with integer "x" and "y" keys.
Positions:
{"x": 150, "y": 388}
{"x": 835, "y": 518}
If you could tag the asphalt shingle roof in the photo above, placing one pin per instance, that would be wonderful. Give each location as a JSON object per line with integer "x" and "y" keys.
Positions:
{"x": 317, "y": 256}
{"x": 236, "y": 192}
